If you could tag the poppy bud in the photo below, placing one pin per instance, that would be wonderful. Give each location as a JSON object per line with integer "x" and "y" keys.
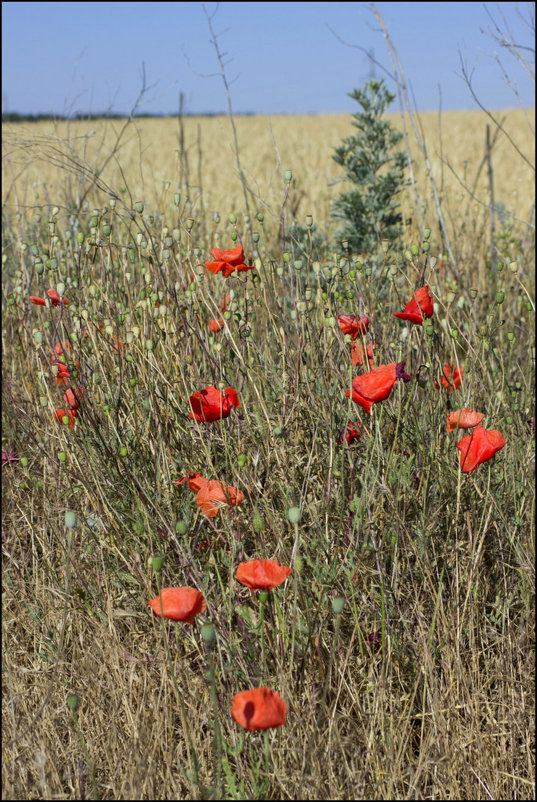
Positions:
{"x": 294, "y": 514}
{"x": 157, "y": 564}
{"x": 181, "y": 527}
{"x": 70, "y": 519}
{"x": 139, "y": 206}
{"x": 208, "y": 633}
{"x": 288, "y": 175}
{"x": 338, "y": 604}
{"x": 73, "y": 702}
{"x": 500, "y": 297}
{"x": 309, "y": 220}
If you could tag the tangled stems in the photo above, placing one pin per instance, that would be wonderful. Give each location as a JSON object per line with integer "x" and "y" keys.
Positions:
{"x": 157, "y": 568}
{"x": 208, "y": 635}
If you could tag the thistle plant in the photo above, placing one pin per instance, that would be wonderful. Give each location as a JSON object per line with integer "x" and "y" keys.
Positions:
{"x": 371, "y": 162}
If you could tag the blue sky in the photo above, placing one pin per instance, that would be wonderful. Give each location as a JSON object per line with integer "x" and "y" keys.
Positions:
{"x": 282, "y": 57}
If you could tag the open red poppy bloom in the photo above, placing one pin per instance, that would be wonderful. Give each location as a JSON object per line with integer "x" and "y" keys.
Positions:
{"x": 73, "y": 397}
{"x": 258, "y": 709}
{"x": 451, "y": 379}
{"x": 54, "y": 297}
{"x": 376, "y": 385}
{"x": 419, "y": 307}
{"x": 71, "y": 414}
{"x": 359, "y": 357}
{"x": 350, "y": 324}
{"x": 216, "y": 325}
{"x": 463, "y": 419}
{"x": 228, "y": 261}
{"x": 351, "y": 433}
{"x": 210, "y": 404}
{"x": 179, "y": 604}
{"x": 262, "y": 574}
{"x": 212, "y": 495}
{"x": 479, "y": 446}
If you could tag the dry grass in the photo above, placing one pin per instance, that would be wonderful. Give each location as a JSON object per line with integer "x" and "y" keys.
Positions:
{"x": 436, "y": 565}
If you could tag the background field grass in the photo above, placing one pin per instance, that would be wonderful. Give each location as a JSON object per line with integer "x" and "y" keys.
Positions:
{"x": 424, "y": 686}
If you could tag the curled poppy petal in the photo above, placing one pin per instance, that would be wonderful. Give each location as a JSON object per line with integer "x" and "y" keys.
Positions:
{"x": 420, "y": 306}
{"x": 479, "y": 447}
{"x": 262, "y": 574}
{"x": 258, "y": 709}
{"x": 375, "y": 386}
{"x": 351, "y": 433}
{"x": 179, "y": 604}
{"x": 350, "y": 324}
{"x": 216, "y": 325}
{"x": 463, "y": 419}
{"x": 37, "y": 301}
{"x": 359, "y": 357}
{"x": 70, "y": 413}
{"x": 451, "y": 379}
{"x": 73, "y": 397}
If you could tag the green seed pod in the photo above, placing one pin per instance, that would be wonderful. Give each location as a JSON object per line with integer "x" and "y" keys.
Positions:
{"x": 260, "y": 217}
{"x": 294, "y": 514}
{"x": 177, "y": 198}
{"x": 500, "y": 296}
{"x": 139, "y": 206}
{"x": 157, "y": 563}
{"x": 513, "y": 267}
{"x": 70, "y": 519}
{"x": 258, "y": 523}
{"x": 181, "y": 527}
{"x": 429, "y": 330}
{"x": 233, "y": 236}
{"x": 39, "y": 268}
{"x": 426, "y": 247}
{"x": 24, "y": 462}
{"x": 330, "y": 322}
{"x": 241, "y": 460}
{"x": 38, "y": 338}
{"x": 414, "y": 250}
{"x": 309, "y": 220}
{"x": 286, "y": 257}
{"x": 255, "y": 236}
{"x": 208, "y": 633}
{"x": 232, "y": 219}
{"x": 338, "y": 604}
{"x": 368, "y": 271}
{"x": 149, "y": 344}
{"x": 473, "y": 292}
{"x": 277, "y": 432}
{"x": 427, "y": 233}
{"x": 73, "y": 702}
{"x": 62, "y": 456}
{"x": 80, "y": 237}
{"x": 263, "y": 596}
{"x": 123, "y": 451}
{"x": 288, "y": 176}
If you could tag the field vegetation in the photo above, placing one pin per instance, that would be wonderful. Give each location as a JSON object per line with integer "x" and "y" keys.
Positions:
{"x": 402, "y": 640}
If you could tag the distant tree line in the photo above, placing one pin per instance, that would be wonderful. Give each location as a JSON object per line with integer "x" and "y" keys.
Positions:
{"x": 15, "y": 117}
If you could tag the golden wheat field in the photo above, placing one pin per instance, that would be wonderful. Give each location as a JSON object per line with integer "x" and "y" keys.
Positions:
{"x": 41, "y": 159}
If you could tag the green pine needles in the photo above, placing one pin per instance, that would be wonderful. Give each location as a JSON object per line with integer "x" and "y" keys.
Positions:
{"x": 370, "y": 210}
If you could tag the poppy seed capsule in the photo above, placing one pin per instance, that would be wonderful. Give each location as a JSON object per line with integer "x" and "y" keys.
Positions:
{"x": 294, "y": 514}
{"x": 73, "y": 702}
{"x": 338, "y": 604}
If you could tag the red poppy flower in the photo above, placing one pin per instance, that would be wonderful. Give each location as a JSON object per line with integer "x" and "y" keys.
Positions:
{"x": 60, "y": 349}
{"x": 262, "y": 574}
{"x": 258, "y": 709}
{"x": 350, "y": 324}
{"x": 463, "y": 419}
{"x": 73, "y": 397}
{"x": 227, "y": 261}
{"x": 71, "y": 414}
{"x": 54, "y": 297}
{"x": 421, "y": 305}
{"x": 358, "y": 356}
{"x": 179, "y": 604}
{"x": 65, "y": 370}
{"x": 216, "y": 325}
{"x": 351, "y": 433}
{"x": 210, "y": 404}
{"x": 212, "y": 495}
{"x": 451, "y": 379}
{"x": 376, "y": 385}
{"x": 479, "y": 446}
